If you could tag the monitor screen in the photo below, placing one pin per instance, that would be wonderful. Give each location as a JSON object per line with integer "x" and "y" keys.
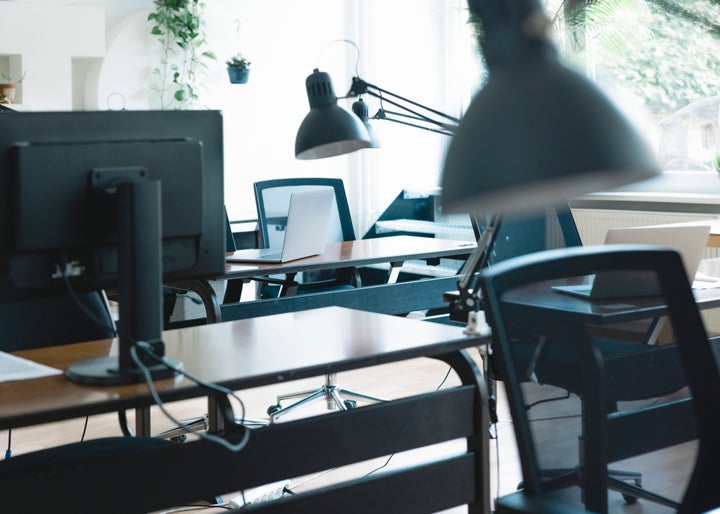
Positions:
{"x": 82, "y": 192}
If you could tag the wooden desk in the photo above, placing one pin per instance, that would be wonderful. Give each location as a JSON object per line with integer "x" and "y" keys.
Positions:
{"x": 362, "y": 252}
{"x": 539, "y": 301}
{"x": 263, "y": 351}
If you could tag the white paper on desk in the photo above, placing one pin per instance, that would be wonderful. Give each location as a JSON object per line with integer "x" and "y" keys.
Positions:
{"x": 17, "y": 368}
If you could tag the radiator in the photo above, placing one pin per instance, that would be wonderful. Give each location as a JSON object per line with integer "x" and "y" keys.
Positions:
{"x": 593, "y": 224}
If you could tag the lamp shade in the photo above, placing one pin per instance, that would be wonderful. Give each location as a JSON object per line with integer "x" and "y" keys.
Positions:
{"x": 327, "y": 130}
{"x": 538, "y": 132}
{"x": 360, "y": 109}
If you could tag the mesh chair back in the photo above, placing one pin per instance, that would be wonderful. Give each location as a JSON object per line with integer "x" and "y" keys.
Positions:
{"x": 539, "y": 443}
{"x": 272, "y": 198}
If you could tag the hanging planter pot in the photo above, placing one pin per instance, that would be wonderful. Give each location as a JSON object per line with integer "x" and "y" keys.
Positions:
{"x": 7, "y": 93}
{"x": 238, "y": 68}
{"x": 238, "y": 75}
{"x": 8, "y": 87}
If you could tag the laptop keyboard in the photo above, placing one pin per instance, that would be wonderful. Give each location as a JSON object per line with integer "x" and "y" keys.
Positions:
{"x": 271, "y": 255}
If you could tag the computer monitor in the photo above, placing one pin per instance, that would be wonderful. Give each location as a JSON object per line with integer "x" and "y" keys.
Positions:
{"x": 111, "y": 200}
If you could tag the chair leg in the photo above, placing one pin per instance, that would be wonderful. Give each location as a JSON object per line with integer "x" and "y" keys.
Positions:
{"x": 631, "y": 492}
{"x": 627, "y": 483}
{"x": 330, "y": 391}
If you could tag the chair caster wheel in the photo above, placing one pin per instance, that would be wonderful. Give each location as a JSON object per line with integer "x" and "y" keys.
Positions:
{"x": 350, "y": 404}
{"x": 630, "y": 500}
{"x": 273, "y": 409}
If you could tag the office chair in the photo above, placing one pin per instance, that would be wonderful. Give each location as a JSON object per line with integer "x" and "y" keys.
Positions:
{"x": 53, "y": 321}
{"x": 272, "y": 198}
{"x": 635, "y": 371}
{"x": 601, "y": 372}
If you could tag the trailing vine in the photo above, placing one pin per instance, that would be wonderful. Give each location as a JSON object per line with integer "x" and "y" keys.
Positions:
{"x": 180, "y": 29}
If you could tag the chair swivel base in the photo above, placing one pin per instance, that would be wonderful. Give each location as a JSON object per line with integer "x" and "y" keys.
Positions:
{"x": 330, "y": 391}
{"x": 627, "y": 483}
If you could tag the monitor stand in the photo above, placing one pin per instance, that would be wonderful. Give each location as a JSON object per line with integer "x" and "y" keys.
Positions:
{"x": 139, "y": 282}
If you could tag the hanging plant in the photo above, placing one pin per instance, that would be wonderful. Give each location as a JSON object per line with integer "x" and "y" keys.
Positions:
{"x": 180, "y": 29}
{"x": 238, "y": 68}
{"x": 8, "y": 87}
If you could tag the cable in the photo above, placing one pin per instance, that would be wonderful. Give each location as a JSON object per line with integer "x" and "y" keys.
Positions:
{"x": 85, "y": 426}
{"x": 379, "y": 467}
{"x": 84, "y": 308}
{"x": 497, "y": 464}
{"x": 442, "y": 382}
{"x": 190, "y": 507}
{"x": 147, "y": 348}
{"x": 546, "y": 400}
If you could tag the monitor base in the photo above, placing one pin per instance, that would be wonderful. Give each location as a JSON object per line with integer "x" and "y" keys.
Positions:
{"x": 104, "y": 371}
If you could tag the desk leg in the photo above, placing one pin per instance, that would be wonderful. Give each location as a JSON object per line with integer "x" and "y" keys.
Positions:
{"x": 142, "y": 421}
{"x": 289, "y": 286}
{"x": 469, "y": 373}
{"x": 393, "y": 272}
{"x": 216, "y": 422}
{"x": 206, "y": 293}
{"x": 233, "y": 290}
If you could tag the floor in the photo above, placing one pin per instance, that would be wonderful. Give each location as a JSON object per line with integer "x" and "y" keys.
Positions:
{"x": 664, "y": 472}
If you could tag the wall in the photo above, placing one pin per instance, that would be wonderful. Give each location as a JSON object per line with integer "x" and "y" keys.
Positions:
{"x": 51, "y": 43}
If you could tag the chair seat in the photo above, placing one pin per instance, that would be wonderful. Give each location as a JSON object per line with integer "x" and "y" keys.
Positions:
{"x": 520, "y": 502}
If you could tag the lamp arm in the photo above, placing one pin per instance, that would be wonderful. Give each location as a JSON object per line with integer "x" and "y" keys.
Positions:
{"x": 468, "y": 277}
{"x": 383, "y": 114}
{"x": 360, "y": 87}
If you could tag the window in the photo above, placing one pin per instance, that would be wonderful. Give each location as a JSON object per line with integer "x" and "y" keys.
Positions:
{"x": 663, "y": 57}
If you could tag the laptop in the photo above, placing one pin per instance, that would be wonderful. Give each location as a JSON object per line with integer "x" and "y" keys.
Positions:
{"x": 689, "y": 240}
{"x": 305, "y": 232}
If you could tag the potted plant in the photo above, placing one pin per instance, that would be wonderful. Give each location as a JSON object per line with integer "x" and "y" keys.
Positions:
{"x": 8, "y": 87}
{"x": 179, "y": 26}
{"x": 238, "y": 68}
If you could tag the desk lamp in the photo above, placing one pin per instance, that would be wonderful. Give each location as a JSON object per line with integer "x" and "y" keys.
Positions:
{"x": 321, "y": 134}
{"x": 536, "y": 133}
{"x": 328, "y": 129}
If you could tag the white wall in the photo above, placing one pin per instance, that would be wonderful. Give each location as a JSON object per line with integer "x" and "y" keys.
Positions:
{"x": 47, "y": 41}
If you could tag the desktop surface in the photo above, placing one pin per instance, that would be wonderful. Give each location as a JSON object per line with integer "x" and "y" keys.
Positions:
{"x": 238, "y": 354}
{"x": 361, "y": 252}
{"x": 540, "y": 299}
